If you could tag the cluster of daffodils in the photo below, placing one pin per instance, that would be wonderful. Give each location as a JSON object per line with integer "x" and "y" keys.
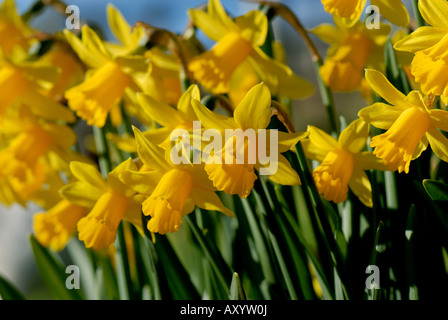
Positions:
{"x": 137, "y": 91}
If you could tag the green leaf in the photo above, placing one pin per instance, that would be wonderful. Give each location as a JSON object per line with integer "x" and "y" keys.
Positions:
{"x": 8, "y": 291}
{"x": 236, "y": 289}
{"x": 53, "y": 273}
{"x": 438, "y": 191}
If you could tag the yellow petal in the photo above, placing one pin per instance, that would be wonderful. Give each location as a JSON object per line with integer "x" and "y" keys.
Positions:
{"x": 213, "y": 28}
{"x": 217, "y": 12}
{"x": 367, "y": 160}
{"x": 328, "y": 33}
{"x": 86, "y": 55}
{"x": 393, "y": 10}
{"x": 350, "y": 9}
{"x": 422, "y": 38}
{"x": 151, "y": 155}
{"x": 254, "y": 111}
{"x": 119, "y": 27}
{"x": 312, "y": 151}
{"x": 439, "y": 119}
{"x": 253, "y": 27}
{"x": 360, "y": 185}
{"x": 88, "y": 174}
{"x": 438, "y": 142}
{"x": 380, "y": 115}
{"x": 212, "y": 120}
{"x": 141, "y": 182}
{"x": 209, "y": 200}
{"x": 288, "y": 140}
{"x": 162, "y": 113}
{"x": 279, "y": 78}
{"x": 282, "y": 173}
{"x": 321, "y": 139}
{"x": 354, "y": 137}
{"x": 81, "y": 194}
{"x": 184, "y": 104}
{"x": 435, "y": 12}
{"x": 113, "y": 178}
{"x": 385, "y": 89}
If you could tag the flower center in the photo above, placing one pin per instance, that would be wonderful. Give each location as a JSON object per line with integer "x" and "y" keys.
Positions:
{"x": 396, "y": 146}
{"x": 215, "y": 67}
{"x": 333, "y": 174}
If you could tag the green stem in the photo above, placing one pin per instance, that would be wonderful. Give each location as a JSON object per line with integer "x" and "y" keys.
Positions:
{"x": 418, "y": 15}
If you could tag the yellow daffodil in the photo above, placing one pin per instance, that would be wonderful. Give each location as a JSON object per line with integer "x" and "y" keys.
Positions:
{"x": 351, "y": 50}
{"x": 430, "y": 43}
{"x": 409, "y": 122}
{"x": 55, "y": 227}
{"x": 111, "y": 74}
{"x": 342, "y": 162}
{"x": 13, "y": 31}
{"x": 109, "y": 202}
{"x": 172, "y": 191}
{"x": 28, "y": 83}
{"x": 351, "y": 10}
{"x": 238, "y": 43}
{"x": 253, "y": 114}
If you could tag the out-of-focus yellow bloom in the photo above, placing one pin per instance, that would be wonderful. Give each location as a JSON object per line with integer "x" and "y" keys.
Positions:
{"x": 71, "y": 72}
{"x": 430, "y": 44}
{"x": 55, "y": 227}
{"x": 342, "y": 162}
{"x": 351, "y": 10}
{"x": 28, "y": 83}
{"x": 252, "y": 113}
{"x": 238, "y": 43}
{"x": 112, "y": 71}
{"x": 172, "y": 191}
{"x": 13, "y": 31}
{"x": 351, "y": 50}
{"x": 109, "y": 201}
{"x": 409, "y": 122}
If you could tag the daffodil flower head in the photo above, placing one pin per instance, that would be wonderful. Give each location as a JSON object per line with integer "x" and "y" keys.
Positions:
{"x": 342, "y": 162}
{"x": 351, "y": 50}
{"x": 238, "y": 45}
{"x": 409, "y": 122}
{"x": 351, "y": 10}
{"x": 109, "y": 201}
{"x": 167, "y": 200}
{"x": 251, "y": 118}
{"x": 55, "y": 227}
{"x": 112, "y": 72}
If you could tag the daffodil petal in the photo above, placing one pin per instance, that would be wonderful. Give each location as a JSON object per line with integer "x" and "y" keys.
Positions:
{"x": 366, "y": 160}
{"x": 81, "y": 193}
{"x": 151, "y": 155}
{"x": 321, "y": 139}
{"x": 438, "y": 142}
{"x": 434, "y": 12}
{"x": 88, "y": 174}
{"x": 113, "y": 178}
{"x": 354, "y": 137}
{"x": 385, "y": 89}
{"x": 439, "y": 119}
{"x": 212, "y": 28}
{"x": 142, "y": 182}
{"x": 133, "y": 212}
{"x": 360, "y": 185}
{"x": 280, "y": 172}
{"x": 208, "y": 200}
{"x": 394, "y": 11}
{"x": 253, "y": 27}
{"x": 162, "y": 113}
{"x": 254, "y": 111}
{"x": 421, "y": 146}
{"x": 328, "y": 33}
{"x": 217, "y": 12}
{"x": 118, "y": 25}
{"x": 212, "y": 120}
{"x": 422, "y": 38}
{"x": 184, "y": 104}
{"x": 288, "y": 140}
{"x": 312, "y": 151}
{"x": 380, "y": 115}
